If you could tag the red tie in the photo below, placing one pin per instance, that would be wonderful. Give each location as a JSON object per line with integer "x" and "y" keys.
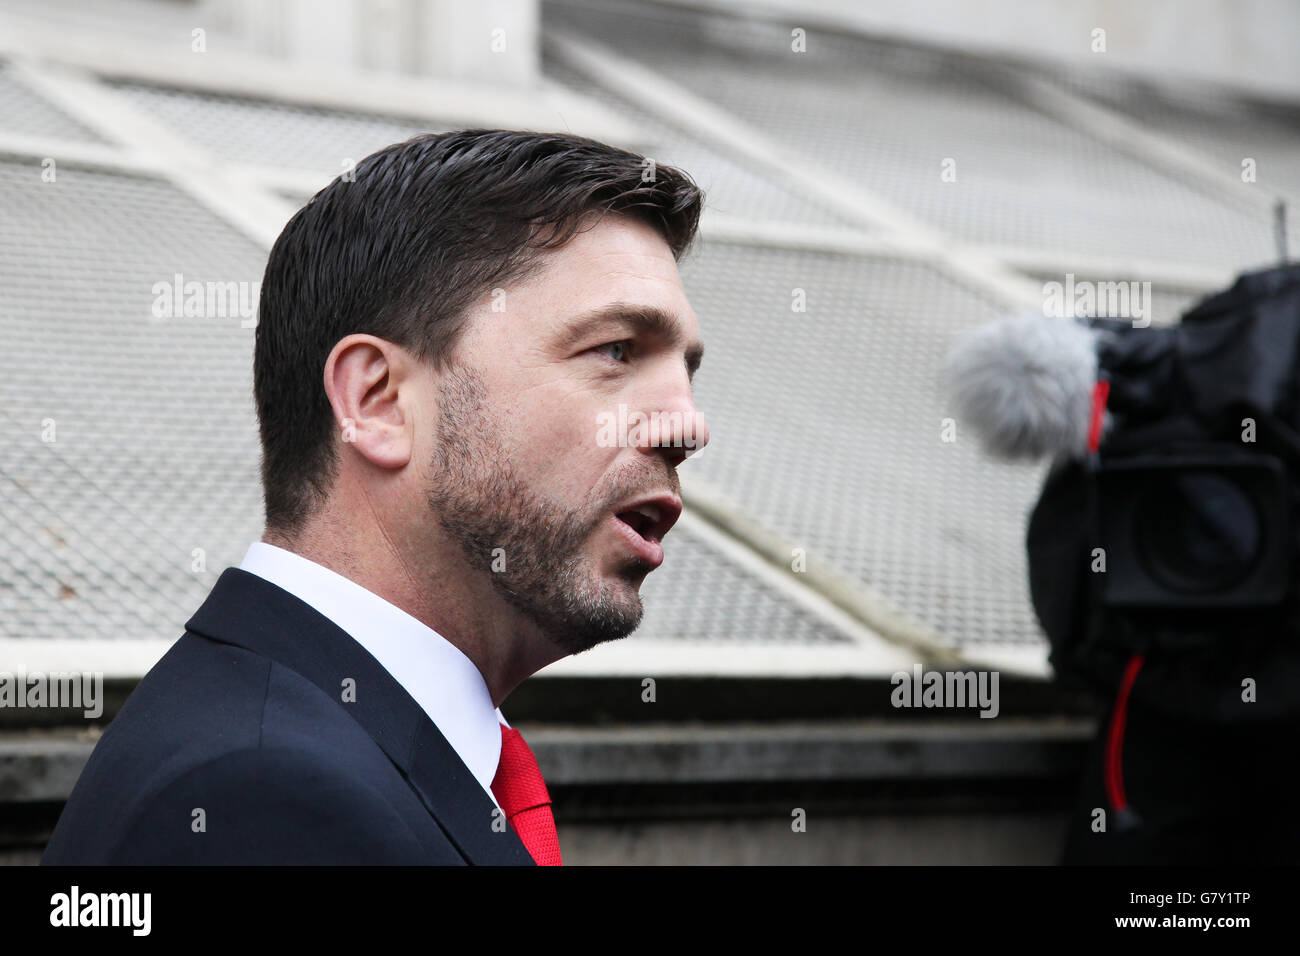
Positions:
{"x": 519, "y": 788}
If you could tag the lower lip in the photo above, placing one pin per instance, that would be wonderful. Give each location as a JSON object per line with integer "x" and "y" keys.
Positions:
{"x": 651, "y": 552}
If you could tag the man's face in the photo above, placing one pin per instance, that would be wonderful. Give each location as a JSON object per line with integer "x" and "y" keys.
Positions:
{"x": 534, "y": 456}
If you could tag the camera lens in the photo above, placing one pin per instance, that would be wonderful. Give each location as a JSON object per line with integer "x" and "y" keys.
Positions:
{"x": 1198, "y": 531}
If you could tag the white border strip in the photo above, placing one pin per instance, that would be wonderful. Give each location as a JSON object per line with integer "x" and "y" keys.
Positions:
{"x": 636, "y": 657}
{"x": 125, "y": 658}
{"x": 131, "y": 659}
{"x": 81, "y": 153}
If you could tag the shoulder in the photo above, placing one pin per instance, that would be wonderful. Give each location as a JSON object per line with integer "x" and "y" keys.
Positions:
{"x": 224, "y": 756}
{"x": 269, "y": 805}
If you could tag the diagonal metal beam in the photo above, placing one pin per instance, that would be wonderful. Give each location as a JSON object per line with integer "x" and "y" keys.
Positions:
{"x": 675, "y": 104}
{"x": 256, "y": 212}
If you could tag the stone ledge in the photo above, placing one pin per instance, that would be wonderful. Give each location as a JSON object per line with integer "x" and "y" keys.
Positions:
{"x": 41, "y": 765}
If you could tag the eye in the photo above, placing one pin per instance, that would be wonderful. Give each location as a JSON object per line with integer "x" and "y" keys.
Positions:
{"x": 622, "y": 349}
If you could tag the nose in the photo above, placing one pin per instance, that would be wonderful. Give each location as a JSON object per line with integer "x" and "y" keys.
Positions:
{"x": 675, "y": 430}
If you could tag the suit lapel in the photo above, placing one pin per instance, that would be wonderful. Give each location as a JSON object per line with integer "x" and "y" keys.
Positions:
{"x": 250, "y": 612}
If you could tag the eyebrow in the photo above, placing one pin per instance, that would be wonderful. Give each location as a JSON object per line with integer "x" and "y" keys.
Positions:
{"x": 648, "y": 320}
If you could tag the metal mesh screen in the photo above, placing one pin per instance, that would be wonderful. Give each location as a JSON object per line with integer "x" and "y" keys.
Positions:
{"x": 735, "y": 607}
{"x": 24, "y": 111}
{"x": 263, "y": 132}
{"x": 827, "y": 421}
{"x": 826, "y": 426}
{"x": 154, "y": 449}
{"x": 1224, "y": 126}
{"x": 888, "y": 117}
{"x": 729, "y": 185}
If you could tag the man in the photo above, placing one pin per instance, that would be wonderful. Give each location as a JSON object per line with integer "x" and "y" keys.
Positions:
{"x": 441, "y": 348}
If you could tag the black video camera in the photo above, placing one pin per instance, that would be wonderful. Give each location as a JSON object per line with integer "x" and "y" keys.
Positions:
{"x": 1178, "y": 537}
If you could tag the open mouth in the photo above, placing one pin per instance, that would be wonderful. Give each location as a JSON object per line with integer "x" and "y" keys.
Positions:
{"x": 642, "y": 524}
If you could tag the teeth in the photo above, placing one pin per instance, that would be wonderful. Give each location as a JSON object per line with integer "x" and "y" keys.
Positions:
{"x": 650, "y": 511}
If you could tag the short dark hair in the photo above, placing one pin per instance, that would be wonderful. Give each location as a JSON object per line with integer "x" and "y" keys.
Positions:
{"x": 403, "y": 248}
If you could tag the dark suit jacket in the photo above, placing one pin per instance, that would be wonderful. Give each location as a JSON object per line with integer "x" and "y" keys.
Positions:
{"x": 244, "y": 720}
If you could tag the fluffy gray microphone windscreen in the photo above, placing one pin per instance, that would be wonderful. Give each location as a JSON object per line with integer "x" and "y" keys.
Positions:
{"x": 1024, "y": 385}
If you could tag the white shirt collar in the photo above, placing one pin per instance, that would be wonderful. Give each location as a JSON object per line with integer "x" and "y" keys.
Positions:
{"x": 436, "y": 673}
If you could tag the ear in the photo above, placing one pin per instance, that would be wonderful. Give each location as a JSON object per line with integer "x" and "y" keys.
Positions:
{"x": 368, "y": 381}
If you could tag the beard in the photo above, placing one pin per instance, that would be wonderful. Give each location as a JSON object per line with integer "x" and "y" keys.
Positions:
{"x": 533, "y": 549}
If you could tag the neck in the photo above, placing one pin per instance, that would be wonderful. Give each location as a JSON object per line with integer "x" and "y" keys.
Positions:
{"x": 440, "y": 592}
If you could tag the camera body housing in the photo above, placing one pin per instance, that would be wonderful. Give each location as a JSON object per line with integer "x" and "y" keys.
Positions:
{"x": 1191, "y": 500}
{"x": 1203, "y": 529}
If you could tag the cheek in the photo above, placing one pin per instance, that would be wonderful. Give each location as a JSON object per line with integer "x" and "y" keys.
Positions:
{"x": 560, "y": 453}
